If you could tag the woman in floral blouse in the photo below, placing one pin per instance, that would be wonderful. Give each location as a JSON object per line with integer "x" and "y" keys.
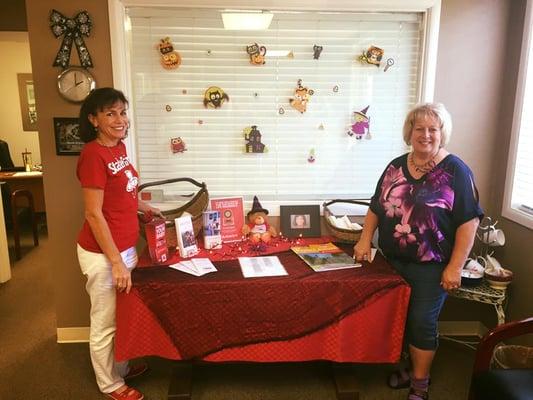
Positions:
{"x": 427, "y": 211}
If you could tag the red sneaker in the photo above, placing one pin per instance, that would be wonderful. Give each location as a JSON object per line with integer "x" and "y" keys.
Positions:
{"x": 128, "y": 394}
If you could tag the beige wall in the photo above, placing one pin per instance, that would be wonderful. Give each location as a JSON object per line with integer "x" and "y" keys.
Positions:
{"x": 479, "y": 50}
{"x": 15, "y": 50}
{"x": 62, "y": 191}
{"x": 475, "y": 69}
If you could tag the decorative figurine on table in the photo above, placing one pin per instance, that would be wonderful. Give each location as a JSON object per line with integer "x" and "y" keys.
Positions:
{"x": 361, "y": 124}
{"x": 258, "y": 229}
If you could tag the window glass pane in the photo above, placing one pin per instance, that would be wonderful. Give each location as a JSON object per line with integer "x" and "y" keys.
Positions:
{"x": 259, "y": 95}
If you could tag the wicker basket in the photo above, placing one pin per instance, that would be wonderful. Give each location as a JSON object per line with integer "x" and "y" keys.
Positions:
{"x": 343, "y": 235}
{"x": 195, "y": 206}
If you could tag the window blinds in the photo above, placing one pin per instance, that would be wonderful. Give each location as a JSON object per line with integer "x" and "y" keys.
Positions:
{"x": 259, "y": 95}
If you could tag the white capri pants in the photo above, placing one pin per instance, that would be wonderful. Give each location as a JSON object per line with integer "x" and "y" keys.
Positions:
{"x": 97, "y": 268}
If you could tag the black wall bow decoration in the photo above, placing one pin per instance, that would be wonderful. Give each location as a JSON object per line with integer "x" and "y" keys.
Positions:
{"x": 74, "y": 29}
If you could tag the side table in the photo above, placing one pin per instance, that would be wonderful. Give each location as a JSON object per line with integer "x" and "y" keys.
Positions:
{"x": 484, "y": 294}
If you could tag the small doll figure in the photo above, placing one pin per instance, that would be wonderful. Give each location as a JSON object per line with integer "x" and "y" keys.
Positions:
{"x": 258, "y": 229}
{"x": 361, "y": 124}
{"x": 301, "y": 97}
{"x": 257, "y": 54}
{"x": 170, "y": 59}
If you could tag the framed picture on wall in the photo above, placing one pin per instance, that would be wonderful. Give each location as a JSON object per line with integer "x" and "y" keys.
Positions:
{"x": 27, "y": 102}
{"x": 300, "y": 221}
{"x": 66, "y": 131}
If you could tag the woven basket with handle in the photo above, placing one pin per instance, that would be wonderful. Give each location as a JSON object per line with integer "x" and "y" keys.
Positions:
{"x": 343, "y": 235}
{"x": 195, "y": 206}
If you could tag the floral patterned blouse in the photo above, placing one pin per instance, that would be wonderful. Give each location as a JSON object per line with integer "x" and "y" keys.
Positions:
{"x": 418, "y": 218}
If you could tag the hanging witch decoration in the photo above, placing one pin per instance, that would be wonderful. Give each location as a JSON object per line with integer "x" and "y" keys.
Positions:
{"x": 73, "y": 30}
{"x": 361, "y": 124}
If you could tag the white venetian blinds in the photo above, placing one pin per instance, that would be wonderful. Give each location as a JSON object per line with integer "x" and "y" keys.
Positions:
{"x": 211, "y": 56}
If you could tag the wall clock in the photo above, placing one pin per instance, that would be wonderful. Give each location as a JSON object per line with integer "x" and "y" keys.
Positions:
{"x": 75, "y": 83}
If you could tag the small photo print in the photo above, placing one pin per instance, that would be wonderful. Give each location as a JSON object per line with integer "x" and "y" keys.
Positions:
{"x": 300, "y": 221}
{"x": 188, "y": 238}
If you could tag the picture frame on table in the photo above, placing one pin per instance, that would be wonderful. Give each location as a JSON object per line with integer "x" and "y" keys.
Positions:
{"x": 300, "y": 221}
{"x": 67, "y": 136}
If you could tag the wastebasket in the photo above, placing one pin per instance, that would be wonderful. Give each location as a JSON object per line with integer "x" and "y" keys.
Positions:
{"x": 512, "y": 357}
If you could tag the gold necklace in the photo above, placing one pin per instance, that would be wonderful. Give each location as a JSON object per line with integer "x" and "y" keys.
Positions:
{"x": 425, "y": 167}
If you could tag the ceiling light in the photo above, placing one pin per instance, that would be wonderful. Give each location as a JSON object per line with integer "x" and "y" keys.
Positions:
{"x": 251, "y": 21}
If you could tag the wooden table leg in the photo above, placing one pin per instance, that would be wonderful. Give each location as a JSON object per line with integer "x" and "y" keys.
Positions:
{"x": 180, "y": 384}
{"x": 345, "y": 382}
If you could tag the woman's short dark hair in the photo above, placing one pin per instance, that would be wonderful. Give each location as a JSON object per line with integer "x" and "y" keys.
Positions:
{"x": 97, "y": 100}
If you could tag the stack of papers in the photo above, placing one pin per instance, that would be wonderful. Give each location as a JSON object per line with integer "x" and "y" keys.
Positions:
{"x": 261, "y": 266}
{"x": 196, "y": 266}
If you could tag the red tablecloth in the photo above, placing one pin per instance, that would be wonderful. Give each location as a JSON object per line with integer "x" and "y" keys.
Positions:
{"x": 372, "y": 332}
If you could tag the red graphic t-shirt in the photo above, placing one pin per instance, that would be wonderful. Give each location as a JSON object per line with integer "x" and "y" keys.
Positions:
{"x": 109, "y": 169}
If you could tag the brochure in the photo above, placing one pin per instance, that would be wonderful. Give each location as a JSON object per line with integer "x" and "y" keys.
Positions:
{"x": 325, "y": 257}
{"x": 232, "y": 217}
{"x": 252, "y": 267}
{"x": 196, "y": 266}
{"x": 211, "y": 230}
{"x": 185, "y": 233}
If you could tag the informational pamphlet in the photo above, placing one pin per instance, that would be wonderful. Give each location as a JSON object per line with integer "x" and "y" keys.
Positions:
{"x": 231, "y": 217}
{"x": 325, "y": 257}
{"x": 253, "y": 267}
{"x": 187, "y": 245}
{"x": 196, "y": 266}
{"x": 211, "y": 230}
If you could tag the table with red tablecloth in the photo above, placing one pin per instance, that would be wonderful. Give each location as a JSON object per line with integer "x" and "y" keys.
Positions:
{"x": 350, "y": 315}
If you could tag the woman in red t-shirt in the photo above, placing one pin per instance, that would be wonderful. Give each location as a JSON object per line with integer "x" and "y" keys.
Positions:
{"x": 106, "y": 243}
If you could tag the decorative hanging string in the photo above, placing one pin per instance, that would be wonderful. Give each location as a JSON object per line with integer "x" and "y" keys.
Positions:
{"x": 74, "y": 29}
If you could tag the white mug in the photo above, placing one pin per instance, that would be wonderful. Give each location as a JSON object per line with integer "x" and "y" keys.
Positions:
{"x": 493, "y": 237}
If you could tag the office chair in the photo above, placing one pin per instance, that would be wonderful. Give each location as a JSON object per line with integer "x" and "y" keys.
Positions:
{"x": 6, "y": 163}
{"x": 499, "y": 384}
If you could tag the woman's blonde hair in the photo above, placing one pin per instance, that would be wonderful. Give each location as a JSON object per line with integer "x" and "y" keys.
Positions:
{"x": 435, "y": 110}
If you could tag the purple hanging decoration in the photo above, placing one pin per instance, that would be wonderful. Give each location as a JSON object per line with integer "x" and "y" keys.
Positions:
{"x": 73, "y": 30}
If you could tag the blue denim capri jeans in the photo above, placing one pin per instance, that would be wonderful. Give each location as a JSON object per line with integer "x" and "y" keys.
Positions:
{"x": 425, "y": 303}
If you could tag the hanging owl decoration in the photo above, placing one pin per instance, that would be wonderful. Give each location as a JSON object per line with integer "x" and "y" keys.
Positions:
{"x": 214, "y": 97}
{"x": 177, "y": 145}
{"x": 257, "y": 54}
{"x": 170, "y": 59}
{"x": 301, "y": 97}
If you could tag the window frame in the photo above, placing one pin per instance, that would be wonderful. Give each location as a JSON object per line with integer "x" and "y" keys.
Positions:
{"x": 508, "y": 211}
